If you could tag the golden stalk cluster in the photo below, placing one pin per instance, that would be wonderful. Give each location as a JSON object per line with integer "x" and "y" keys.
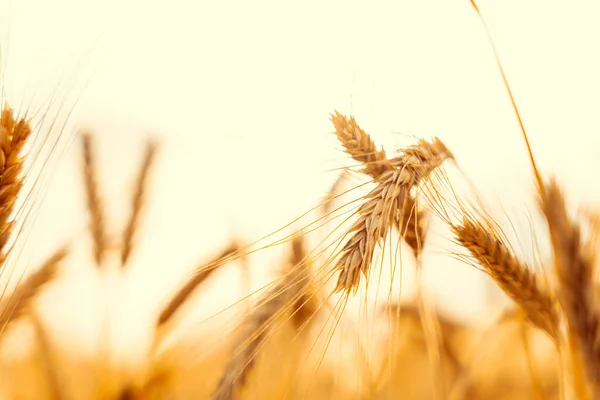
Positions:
{"x": 288, "y": 344}
{"x": 267, "y": 356}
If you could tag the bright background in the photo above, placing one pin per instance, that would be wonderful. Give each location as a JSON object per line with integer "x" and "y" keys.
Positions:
{"x": 240, "y": 93}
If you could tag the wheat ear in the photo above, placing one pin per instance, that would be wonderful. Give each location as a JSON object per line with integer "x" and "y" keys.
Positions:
{"x": 94, "y": 202}
{"x": 359, "y": 145}
{"x": 376, "y": 216}
{"x": 574, "y": 266}
{"x": 409, "y": 221}
{"x": 13, "y": 135}
{"x": 13, "y": 306}
{"x": 515, "y": 278}
{"x": 137, "y": 202}
{"x": 381, "y": 208}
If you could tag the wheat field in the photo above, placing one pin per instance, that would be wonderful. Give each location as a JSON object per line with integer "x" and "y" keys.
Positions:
{"x": 321, "y": 201}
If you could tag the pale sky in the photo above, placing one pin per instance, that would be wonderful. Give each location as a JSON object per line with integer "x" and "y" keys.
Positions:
{"x": 240, "y": 93}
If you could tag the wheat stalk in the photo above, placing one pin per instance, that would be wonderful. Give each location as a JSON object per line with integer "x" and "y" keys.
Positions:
{"x": 254, "y": 334}
{"x": 55, "y": 388}
{"x": 290, "y": 290}
{"x": 94, "y": 203}
{"x": 137, "y": 202}
{"x": 184, "y": 293}
{"x": 447, "y": 327}
{"x": 13, "y": 306}
{"x": 574, "y": 266}
{"x": 515, "y": 278}
{"x": 414, "y": 236}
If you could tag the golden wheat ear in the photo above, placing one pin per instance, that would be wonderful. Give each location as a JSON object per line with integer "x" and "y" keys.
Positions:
{"x": 574, "y": 267}
{"x": 14, "y": 133}
{"x": 514, "y": 277}
{"x": 12, "y": 307}
{"x": 137, "y": 202}
{"x": 381, "y": 208}
{"x": 359, "y": 145}
{"x": 409, "y": 220}
{"x": 94, "y": 202}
